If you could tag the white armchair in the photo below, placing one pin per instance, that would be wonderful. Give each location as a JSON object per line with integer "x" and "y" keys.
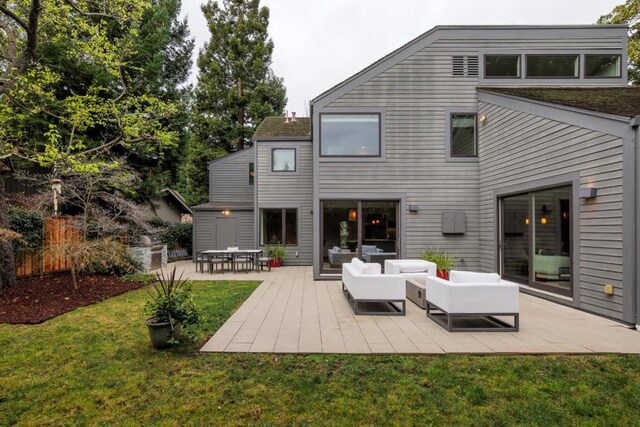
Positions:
{"x": 415, "y": 272}
{"x": 478, "y": 295}
{"x": 363, "y": 283}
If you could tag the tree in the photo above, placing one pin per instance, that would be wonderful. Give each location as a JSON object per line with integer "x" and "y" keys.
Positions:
{"x": 628, "y": 13}
{"x": 66, "y": 99}
{"x": 236, "y": 87}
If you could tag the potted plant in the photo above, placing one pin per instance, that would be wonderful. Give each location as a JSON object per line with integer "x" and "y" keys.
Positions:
{"x": 443, "y": 260}
{"x": 276, "y": 253}
{"x": 172, "y": 309}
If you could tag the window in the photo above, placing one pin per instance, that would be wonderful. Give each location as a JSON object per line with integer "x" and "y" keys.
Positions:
{"x": 279, "y": 226}
{"x": 463, "y": 135}
{"x": 283, "y": 160}
{"x": 602, "y": 66}
{"x": 553, "y": 66}
{"x": 252, "y": 173}
{"x": 502, "y": 66}
{"x": 350, "y": 135}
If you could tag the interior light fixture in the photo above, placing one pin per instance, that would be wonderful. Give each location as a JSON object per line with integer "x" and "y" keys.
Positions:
{"x": 543, "y": 220}
{"x": 526, "y": 221}
{"x": 353, "y": 214}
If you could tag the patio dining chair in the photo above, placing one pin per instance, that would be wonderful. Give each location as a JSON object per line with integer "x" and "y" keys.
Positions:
{"x": 263, "y": 262}
{"x": 242, "y": 260}
{"x": 217, "y": 263}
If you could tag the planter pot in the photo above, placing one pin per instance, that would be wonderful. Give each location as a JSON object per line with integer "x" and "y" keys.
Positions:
{"x": 275, "y": 263}
{"x": 160, "y": 332}
{"x": 443, "y": 274}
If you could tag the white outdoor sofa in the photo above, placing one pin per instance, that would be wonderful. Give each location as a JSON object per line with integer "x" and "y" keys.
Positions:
{"x": 473, "y": 295}
{"x": 415, "y": 272}
{"x": 364, "y": 284}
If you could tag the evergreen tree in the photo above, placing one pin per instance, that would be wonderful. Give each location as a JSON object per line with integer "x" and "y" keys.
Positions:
{"x": 628, "y": 13}
{"x": 236, "y": 87}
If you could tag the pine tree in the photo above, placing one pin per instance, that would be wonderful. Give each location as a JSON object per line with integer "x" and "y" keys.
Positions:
{"x": 628, "y": 13}
{"x": 236, "y": 87}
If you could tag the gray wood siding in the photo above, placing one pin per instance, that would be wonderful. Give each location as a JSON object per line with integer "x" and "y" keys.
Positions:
{"x": 416, "y": 95}
{"x": 205, "y": 229}
{"x": 229, "y": 178}
{"x": 517, "y": 148}
{"x": 289, "y": 190}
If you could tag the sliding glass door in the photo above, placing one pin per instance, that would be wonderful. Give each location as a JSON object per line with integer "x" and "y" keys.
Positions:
{"x": 353, "y": 228}
{"x": 536, "y": 239}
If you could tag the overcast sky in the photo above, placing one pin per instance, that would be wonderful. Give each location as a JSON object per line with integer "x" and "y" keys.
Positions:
{"x": 319, "y": 43}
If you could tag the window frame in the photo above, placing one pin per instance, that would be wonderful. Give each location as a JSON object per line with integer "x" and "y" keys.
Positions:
{"x": 249, "y": 183}
{"x": 352, "y": 156}
{"x": 484, "y": 66}
{"x": 295, "y": 160}
{"x": 620, "y": 66}
{"x": 283, "y": 213}
{"x": 450, "y": 157}
{"x": 577, "y": 55}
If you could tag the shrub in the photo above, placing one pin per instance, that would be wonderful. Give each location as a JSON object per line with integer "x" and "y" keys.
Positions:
{"x": 30, "y": 225}
{"x": 174, "y": 235}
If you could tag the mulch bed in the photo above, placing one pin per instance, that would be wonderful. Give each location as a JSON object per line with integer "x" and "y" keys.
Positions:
{"x": 37, "y": 299}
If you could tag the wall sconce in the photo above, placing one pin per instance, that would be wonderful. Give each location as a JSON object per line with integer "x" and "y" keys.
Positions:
{"x": 543, "y": 220}
{"x": 414, "y": 208}
{"x": 483, "y": 119}
{"x": 588, "y": 193}
{"x": 526, "y": 221}
{"x": 353, "y": 214}
{"x": 226, "y": 212}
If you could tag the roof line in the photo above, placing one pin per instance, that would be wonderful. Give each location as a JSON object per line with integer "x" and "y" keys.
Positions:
{"x": 176, "y": 195}
{"x": 437, "y": 28}
{"x": 230, "y": 155}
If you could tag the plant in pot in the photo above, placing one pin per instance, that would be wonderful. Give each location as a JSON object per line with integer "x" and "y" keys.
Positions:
{"x": 443, "y": 260}
{"x": 172, "y": 310}
{"x": 276, "y": 253}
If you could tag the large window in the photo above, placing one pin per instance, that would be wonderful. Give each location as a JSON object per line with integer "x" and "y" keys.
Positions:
{"x": 553, "y": 66}
{"x": 279, "y": 226}
{"x": 501, "y": 66}
{"x": 350, "y": 135}
{"x": 602, "y": 66}
{"x": 463, "y": 138}
{"x": 283, "y": 160}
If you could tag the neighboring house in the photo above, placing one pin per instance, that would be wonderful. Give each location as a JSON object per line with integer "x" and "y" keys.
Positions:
{"x": 170, "y": 207}
{"x": 462, "y": 140}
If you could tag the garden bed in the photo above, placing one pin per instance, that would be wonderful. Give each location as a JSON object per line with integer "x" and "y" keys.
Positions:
{"x": 40, "y": 298}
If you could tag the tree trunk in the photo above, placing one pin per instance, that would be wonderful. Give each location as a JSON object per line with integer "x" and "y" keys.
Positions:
{"x": 73, "y": 277}
{"x": 7, "y": 261}
{"x": 240, "y": 142}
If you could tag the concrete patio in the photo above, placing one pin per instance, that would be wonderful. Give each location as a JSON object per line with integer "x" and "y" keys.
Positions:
{"x": 291, "y": 313}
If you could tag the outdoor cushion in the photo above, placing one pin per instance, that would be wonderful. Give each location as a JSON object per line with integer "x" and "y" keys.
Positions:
{"x": 456, "y": 276}
{"x": 413, "y": 267}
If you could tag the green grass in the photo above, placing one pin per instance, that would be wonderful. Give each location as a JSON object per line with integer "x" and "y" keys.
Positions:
{"x": 95, "y": 366}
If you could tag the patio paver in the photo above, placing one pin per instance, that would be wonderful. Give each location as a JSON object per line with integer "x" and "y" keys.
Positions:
{"x": 291, "y": 313}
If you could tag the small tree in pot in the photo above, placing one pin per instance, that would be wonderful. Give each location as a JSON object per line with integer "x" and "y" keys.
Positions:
{"x": 276, "y": 253}
{"x": 172, "y": 309}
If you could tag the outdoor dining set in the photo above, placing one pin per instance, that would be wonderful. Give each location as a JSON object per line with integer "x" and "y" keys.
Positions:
{"x": 232, "y": 259}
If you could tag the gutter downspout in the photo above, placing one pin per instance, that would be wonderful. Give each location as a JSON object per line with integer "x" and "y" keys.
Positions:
{"x": 635, "y": 124}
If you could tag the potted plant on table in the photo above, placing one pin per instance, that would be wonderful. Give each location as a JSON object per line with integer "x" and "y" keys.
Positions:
{"x": 172, "y": 309}
{"x": 276, "y": 253}
{"x": 444, "y": 261}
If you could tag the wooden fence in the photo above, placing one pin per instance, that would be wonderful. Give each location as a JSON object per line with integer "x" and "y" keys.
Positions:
{"x": 58, "y": 231}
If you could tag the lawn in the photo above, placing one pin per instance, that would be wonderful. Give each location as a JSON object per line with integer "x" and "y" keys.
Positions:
{"x": 95, "y": 366}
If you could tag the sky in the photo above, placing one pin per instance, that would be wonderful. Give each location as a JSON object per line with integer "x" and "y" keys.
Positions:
{"x": 319, "y": 43}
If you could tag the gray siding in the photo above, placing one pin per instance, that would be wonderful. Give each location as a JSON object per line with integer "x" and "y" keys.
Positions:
{"x": 204, "y": 232}
{"x": 229, "y": 178}
{"x": 517, "y": 148}
{"x": 289, "y": 190}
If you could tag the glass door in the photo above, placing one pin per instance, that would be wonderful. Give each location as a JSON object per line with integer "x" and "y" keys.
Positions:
{"x": 364, "y": 229}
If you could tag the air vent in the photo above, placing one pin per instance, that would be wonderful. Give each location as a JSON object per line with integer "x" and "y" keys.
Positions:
{"x": 472, "y": 65}
{"x": 458, "y": 65}
{"x": 464, "y": 65}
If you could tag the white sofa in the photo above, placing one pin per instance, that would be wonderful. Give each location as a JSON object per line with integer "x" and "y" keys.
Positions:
{"x": 415, "y": 272}
{"x": 469, "y": 294}
{"x": 364, "y": 283}
{"x": 338, "y": 256}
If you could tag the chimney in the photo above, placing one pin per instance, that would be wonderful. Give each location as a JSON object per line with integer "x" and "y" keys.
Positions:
{"x": 293, "y": 116}
{"x": 286, "y": 117}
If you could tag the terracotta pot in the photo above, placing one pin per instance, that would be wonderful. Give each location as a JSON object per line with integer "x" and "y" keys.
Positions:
{"x": 161, "y": 333}
{"x": 443, "y": 274}
{"x": 275, "y": 263}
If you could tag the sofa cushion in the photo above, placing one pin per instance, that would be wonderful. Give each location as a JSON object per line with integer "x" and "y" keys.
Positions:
{"x": 369, "y": 249}
{"x": 413, "y": 267}
{"x": 473, "y": 277}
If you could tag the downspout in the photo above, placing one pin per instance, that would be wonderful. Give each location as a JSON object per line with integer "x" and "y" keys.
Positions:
{"x": 635, "y": 124}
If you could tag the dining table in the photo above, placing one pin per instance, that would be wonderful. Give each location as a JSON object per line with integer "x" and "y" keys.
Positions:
{"x": 231, "y": 255}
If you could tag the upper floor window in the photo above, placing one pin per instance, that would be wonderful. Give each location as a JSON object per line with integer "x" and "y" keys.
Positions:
{"x": 502, "y": 66}
{"x": 463, "y": 136}
{"x": 252, "y": 173}
{"x": 602, "y": 66}
{"x": 553, "y": 66}
{"x": 283, "y": 160}
{"x": 350, "y": 135}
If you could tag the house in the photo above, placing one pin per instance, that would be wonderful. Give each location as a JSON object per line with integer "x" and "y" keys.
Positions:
{"x": 513, "y": 147}
{"x": 169, "y": 207}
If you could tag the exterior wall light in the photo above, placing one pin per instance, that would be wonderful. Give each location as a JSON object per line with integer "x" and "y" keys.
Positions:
{"x": 526, "y": 221}
{"x": 483, "y": 119}
{"x": 588, "y": 193}
{"x": 414, "y": 208}
{"x": 226, "y": 212}
{"x": 543, "y": 220}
